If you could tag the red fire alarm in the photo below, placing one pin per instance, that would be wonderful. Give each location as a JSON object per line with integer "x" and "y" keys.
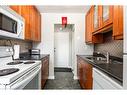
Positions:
{"x": 64, "y": 20}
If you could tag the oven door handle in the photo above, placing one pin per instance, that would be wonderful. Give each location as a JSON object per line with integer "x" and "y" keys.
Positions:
{"x": 21, "y": 84}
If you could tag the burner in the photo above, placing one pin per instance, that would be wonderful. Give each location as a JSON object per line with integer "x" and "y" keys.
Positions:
{"x": 15, "y": 63}
{"x": 29, "y": 62}
{"x": 8, "y": 71}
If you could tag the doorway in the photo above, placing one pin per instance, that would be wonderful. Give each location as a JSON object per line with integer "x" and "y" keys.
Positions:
{"x": 63, "y": 45}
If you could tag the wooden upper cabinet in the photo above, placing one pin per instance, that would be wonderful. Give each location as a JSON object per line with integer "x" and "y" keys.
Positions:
{"x": 32, "y": 21}
{"x": 107, "y": 15}
{"x": 103, "y": 17}
{"x": 16, "y": 8}
{"x": 118, "y": 22}
{"x": 39, "y": 26}
{"x": 88, "y": 34}
{"x": 89, "y": 38}
{"x": 25, "y": 12}
{"x": 97, "y": 17}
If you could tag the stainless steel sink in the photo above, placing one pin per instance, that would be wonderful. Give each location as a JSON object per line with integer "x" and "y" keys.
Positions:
{"x": 101, "y": 60}
{"x": 96, "y": 58}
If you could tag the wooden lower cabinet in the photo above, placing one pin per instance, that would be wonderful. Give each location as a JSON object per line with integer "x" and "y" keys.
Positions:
{"x": 84, "y": 74}
{"x": 44, "y": 71}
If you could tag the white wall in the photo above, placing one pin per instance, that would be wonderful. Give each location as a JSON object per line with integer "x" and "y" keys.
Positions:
{"x": 47, "y": 44}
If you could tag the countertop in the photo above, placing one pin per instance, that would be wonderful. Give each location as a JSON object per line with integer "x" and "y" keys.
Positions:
{"x": 27, "y": 56}
{"x": 113, "y": 69}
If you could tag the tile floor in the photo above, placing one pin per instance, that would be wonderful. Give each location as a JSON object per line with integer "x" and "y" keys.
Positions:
{"x": 63, "y": 80}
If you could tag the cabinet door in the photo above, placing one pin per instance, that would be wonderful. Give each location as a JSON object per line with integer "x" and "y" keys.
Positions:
{"x": 98, "y": 38}
{"x": 107, "y": 15}
{"x": 88, "y": 27}
{"x": 95, "y": 17}
{"x": 38, "y": 26}
{"x": 78, "y": 67}
{"x": 118, "y": 22}
{"x": 16, "y": 8}
{"x": 36, "y": 35}
{"x": 87, "y": 75}
{"x": 32, "y": 22}
{"x": 25, "y": 12}
{"x": 45, "y": 71}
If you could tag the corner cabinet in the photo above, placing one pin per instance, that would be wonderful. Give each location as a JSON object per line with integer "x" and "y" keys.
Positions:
{"x": 90, "y": 27}
{"x": 84, "y": 73}
{"x": 32, "y": 21}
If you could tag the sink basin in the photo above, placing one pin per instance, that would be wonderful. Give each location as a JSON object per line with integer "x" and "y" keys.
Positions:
{"x": 97, "y": 60}
{"x": 101, "y": 60}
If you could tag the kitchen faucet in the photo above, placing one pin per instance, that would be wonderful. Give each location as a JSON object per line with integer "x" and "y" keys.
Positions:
{"x": 107, "y": 57}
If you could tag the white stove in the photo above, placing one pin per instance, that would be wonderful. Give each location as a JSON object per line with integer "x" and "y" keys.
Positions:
{"x": 24, "y": 72}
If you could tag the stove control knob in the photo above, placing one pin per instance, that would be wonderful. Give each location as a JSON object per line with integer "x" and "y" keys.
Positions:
{"x": 11, "y": 50}
{"x": 7, "y": 50}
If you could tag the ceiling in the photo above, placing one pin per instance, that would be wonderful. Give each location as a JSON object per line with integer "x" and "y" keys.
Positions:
{"x": 63, "y": 9}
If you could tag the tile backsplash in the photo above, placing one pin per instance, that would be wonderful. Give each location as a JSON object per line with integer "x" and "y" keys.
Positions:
{"x": 114, "y": 47}
{"x": 24, "y": 45}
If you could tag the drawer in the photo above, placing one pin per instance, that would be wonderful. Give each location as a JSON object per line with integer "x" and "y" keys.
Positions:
{"x": 104, "y": 81}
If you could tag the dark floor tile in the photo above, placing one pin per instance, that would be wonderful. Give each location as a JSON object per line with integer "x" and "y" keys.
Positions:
{"x": 63, "y": 80}
{"x": 62, "y": 69}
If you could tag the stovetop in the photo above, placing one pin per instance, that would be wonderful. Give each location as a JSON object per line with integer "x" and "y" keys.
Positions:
{"x": 20, "y": 62}
{"x": 15, "y": 63}
{"x": 10, "y": 71}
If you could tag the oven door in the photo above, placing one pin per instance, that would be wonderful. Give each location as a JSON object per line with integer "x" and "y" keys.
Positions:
{"x": 30, "y": 80}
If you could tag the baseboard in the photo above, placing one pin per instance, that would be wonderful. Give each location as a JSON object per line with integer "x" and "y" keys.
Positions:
{"x": 51, "y": 77}
{"x": 75, "y": 77}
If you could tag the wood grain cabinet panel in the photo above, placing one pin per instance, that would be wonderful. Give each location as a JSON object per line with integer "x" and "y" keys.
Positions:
{"x": 25, "y": 12}
{"x": 32, "y": 21}
{"x": 118, "y": 22}
{"x": 44, "y": 71}
{"x": 97, "y": 13}
{"x": 16, "y": 8}
{"x": 103, "y": 15}
{"x": 89, "y": 38}
{"x": 84, "y": 74}
{"x": 107, "y": 15}
{"x": 101, "y": 19}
